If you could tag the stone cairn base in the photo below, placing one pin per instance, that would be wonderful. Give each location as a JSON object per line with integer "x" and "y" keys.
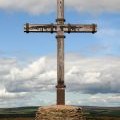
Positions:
{"x": 59, "y": 112}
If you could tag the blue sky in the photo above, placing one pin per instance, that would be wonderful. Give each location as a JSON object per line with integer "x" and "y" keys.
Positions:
{"x": 15, "y": 40}
{"x": 92, "y": 60}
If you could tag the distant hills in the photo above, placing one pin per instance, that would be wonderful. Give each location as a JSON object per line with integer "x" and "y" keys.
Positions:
{"x": 91, "y": 113}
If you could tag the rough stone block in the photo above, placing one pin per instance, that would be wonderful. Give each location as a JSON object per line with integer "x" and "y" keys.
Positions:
{"x": 59, "y": 112}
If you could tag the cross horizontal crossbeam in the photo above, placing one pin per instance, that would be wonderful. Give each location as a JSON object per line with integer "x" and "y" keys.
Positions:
{"x": 67, "y": 28}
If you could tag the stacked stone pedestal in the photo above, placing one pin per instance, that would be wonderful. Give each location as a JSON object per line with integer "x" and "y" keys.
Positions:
{"x": 59, "y": 113}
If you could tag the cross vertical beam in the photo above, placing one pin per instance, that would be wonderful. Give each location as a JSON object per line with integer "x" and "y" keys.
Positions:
{"x": 60, "y": 9}
{"x": 60, "y": 54}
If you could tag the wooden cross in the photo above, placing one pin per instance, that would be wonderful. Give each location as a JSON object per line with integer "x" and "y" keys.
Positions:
{"x": 60, "y": 28}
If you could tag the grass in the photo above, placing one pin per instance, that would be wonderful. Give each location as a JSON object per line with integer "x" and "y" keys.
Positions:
{"x": 17, "y": 118}
{"x": 91, "y": 113}
{"x": 102, "y": 113}
{"x": 24, "y": 112}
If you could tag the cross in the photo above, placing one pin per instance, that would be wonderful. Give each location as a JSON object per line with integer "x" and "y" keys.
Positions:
{"x": 60, "y": 28}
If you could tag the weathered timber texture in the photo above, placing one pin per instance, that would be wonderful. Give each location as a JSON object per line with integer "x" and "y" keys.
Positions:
{"x": 60, "y": 9}
{"x": 60, "y": 69}
{"x": 60, "y": 60}
{"x": 60, "y": 54}
{"x": 67, "y": 28}
{"x": 60, "y": 113}
{"x": 60, "y": 95}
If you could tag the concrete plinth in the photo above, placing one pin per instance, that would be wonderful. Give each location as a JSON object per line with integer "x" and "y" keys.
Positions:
{"x": 59, "y": 113}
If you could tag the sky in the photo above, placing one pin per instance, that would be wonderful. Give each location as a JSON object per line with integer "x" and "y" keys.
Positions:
{"x": 28, "y": 61}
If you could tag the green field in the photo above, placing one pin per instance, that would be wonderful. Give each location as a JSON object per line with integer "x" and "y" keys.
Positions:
{"x": 102, "y": 113}
{"x": 91, "y": 113}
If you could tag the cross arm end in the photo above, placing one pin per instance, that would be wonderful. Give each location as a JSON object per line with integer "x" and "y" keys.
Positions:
{"x": 94, "y": 27}
{"x": 26, "y": 28}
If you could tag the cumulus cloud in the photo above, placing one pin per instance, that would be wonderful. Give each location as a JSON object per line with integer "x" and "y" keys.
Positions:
{"x": 46, "y": 6}
{"x": 30, "y": 6}
{"x": 82, "y": 75}
{"x": 8, "y": 95}
{"x": 94, "y": 75}
{"x": 86, "y": 75}
{"x": 94, "y": 6}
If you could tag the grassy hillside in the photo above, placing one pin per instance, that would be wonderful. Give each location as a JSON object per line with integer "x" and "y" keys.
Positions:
{"x": 102, "y": 113}
{"x": 91, "y": 113}
{"x": 18, "y": 112}
{"x": 22, "y": 118}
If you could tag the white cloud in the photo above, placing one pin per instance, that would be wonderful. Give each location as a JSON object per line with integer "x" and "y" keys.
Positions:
{"x": 7, "y": 95}
{"x": 105, "y": 100}
{"x": 93, "y": 6}
{"x": 82, "y": 75}
{"x": 30, "y": 6}
{"x": 86, "y": 75}
{"x": 31, "y": 71}
{"x": 94, "y": 75}
{"x": 46, "y": 6}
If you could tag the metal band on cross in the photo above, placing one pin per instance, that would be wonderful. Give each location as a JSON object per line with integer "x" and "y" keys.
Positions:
{"x": 60, "y": 28}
